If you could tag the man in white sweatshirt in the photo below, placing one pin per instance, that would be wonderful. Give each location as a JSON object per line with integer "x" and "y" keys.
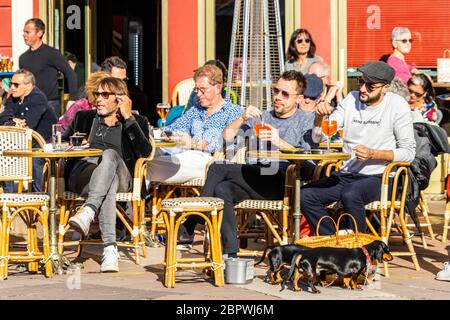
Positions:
{"x": 378, "y": 129}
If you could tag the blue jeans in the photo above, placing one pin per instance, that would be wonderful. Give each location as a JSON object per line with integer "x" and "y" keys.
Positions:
{"x": 354, "y": 190}
{"x": 101, "y": 182}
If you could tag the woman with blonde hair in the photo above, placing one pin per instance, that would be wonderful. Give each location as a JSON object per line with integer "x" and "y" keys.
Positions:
{"x": 86, "y": 103}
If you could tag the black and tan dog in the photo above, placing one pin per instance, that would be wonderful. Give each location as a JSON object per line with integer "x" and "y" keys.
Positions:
{"x": 348, "y": 264}
{"x": 280, "y": 256}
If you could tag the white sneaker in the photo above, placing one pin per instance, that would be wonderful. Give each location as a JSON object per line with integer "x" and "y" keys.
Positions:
{"x": 82, "y": 221}
{"x": 110, "y": 260}
{"x": 444, "y": 274}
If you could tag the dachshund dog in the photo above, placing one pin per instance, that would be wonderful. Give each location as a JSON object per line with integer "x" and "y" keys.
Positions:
{"x": 348, "y": 264}
{"x": 280, "y": 256}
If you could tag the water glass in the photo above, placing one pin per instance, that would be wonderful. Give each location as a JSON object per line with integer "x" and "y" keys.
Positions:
{"x": 57, "y": 131}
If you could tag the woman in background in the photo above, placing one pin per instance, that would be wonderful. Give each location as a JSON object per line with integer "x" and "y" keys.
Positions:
{"x": 301, "y": 52}
{"x": 421, "y": 99}
{"x": 401, "y": 43}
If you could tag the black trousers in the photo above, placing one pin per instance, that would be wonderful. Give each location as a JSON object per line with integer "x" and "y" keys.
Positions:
{"x": 234, "y": 183}
{"x": 352, "y": 189}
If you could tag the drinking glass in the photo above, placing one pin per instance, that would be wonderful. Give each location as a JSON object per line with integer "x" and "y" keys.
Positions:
{"x": 163, "y": 110}
{"x": 329, "y": 128}
{"x": 258, "y": 127}
{"x": 57, "y": 130}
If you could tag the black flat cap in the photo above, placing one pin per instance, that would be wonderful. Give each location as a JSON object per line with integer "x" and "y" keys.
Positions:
{"x": 377, "y": 72}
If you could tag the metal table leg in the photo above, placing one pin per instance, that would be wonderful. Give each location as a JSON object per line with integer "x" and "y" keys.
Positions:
{"x": 58, "y": 261}
{"x": 297, "y": 208}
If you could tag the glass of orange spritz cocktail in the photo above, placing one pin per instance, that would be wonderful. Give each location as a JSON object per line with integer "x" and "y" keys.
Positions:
{"x": 258, "y": 128}
{"x": 329, "y": 128}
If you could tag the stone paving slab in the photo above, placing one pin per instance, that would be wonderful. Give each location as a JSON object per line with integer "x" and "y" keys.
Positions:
{"x": 145, "y": 281}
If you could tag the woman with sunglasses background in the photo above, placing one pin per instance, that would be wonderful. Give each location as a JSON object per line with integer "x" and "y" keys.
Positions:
{"x": 301, "y": 52}
{"x": 401, "y": 43}
{"x": 421, "y": 99}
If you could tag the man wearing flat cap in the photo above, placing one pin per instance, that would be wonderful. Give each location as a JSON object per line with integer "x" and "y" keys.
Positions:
{"x": 377, "y": 130}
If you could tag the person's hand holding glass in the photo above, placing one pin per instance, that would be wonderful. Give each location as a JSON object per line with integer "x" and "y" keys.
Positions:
{"x": 163, "y": 110}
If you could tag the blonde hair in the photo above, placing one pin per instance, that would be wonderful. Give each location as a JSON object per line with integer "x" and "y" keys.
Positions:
{"x": 213, "y": 73}
{"x": 92, "y": 84}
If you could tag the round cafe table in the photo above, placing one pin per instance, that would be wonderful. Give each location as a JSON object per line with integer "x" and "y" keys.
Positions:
{"x": 165, "y": 144}
{"x": 298, "y": 158}
{"x": 53, "y": 157}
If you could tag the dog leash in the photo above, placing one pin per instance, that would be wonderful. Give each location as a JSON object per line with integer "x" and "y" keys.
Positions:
{"x": 369, "y": 264}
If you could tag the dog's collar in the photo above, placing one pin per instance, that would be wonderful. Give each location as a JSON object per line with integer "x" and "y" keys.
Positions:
{"x": 366, "y": 253}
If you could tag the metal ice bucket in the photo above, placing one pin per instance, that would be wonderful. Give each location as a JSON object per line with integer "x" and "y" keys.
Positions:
{"x": 239, "y": 271}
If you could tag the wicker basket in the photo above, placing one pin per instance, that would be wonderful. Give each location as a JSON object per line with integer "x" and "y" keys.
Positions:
{"x": 350, "y": 241}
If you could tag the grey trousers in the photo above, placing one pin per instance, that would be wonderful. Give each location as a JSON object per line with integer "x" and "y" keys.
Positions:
{"x": 108, "y": 177}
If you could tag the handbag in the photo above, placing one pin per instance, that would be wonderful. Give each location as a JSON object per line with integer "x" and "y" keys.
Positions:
{"x": 443, "y": 67}
{"x": 349, "y": 241}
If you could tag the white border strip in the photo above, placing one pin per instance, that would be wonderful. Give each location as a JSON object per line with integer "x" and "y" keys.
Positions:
{"x": 21, "y": 11}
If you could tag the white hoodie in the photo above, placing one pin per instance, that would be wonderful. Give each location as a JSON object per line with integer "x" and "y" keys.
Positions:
{"x": 387, "y": 126}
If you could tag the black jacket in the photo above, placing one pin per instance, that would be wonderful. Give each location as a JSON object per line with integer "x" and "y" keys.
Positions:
{"x": 431, "y": 140}
{"x": 135, "y": 142}
{"x": 34, "y": 109}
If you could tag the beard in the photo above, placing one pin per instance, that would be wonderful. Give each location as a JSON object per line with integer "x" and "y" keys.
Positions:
{"x": 369, "y": 100}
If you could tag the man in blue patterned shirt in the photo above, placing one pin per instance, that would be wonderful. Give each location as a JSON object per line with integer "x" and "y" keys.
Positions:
{"x": 199, "y": 131}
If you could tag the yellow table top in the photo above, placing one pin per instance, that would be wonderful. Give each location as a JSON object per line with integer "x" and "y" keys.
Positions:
{"x": 298, "y": 156}
{"x": 40, "y": 153}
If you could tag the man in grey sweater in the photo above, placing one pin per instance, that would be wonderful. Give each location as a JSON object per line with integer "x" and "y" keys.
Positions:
{"x": 377, "y": 130}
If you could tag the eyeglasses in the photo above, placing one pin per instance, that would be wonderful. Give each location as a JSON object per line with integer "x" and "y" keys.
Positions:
{"x": 201, "y": 90}
{"x": 284, "y": 94}
{"x": 299, "y": 41}
{"x": 369, "y": 86}
{"x": 15, "y": 84}
{"x": 416, "y": 94}
{"x": 405, "y": 40}
{"x": 104, "y": 94}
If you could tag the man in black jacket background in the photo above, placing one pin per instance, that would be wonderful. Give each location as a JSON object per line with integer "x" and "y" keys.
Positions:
{"x": 45, "y": 62}
{"x": 123, "y": 137}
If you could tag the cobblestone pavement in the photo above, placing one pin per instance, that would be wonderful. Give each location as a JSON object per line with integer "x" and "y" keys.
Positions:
{"x": 137, "y": 282}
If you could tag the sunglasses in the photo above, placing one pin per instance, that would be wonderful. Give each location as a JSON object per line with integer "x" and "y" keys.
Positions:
{"x": 284, "y": 94}
{"x": 416, "y": 94}
{"x": 406, "y": 40}
{"x": 15, "y": 84}
{"x": 104, "y": 94}
{"x": 369, "y": 86}
{"x": 299, "y": 41}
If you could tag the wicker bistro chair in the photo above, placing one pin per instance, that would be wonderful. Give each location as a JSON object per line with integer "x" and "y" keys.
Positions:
{"x": 446, "y": 225}
{"x": 163, "y": 191}
{"x": 387, "y": 209}
{"x": 32, "y": 208}
{"x": 71, "y": 204}
{"x": 174, "y": 211}
{"x": 182, "y": 92}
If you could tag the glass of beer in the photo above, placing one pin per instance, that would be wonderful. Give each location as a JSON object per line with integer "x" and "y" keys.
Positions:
{"x": 329, "y": 128}
{"x": 163, "y": 110}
